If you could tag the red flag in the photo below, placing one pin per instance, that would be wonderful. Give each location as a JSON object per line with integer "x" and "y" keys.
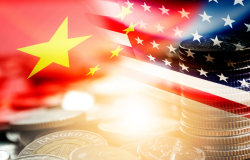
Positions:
{"x": 27, "y": 23}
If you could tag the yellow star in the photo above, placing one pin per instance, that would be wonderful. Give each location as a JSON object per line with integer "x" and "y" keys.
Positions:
{"x": 92, "y": 70}
{"x": 125, "y": 11}
{"x": 130, "y": 28}
{"x": 56, "y": 50}
{"x": 116, "y": 52}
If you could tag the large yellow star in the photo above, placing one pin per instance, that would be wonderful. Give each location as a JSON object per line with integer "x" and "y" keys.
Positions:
{"x": 92, "y": 70}
{"x": 125, "y": 11}
{"x": 56, "y": 50}
{"x": 116, "y": 52}
{"x": 130, "y": 28}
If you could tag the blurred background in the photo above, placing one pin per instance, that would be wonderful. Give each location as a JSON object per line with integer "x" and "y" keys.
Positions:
{"x": 108, "y": 94}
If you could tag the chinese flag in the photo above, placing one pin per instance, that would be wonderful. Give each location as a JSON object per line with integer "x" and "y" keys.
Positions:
{"x": 27, "y": 23}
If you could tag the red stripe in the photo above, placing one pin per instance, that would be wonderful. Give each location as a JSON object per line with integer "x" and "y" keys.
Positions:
{"x": 113, "y": 24}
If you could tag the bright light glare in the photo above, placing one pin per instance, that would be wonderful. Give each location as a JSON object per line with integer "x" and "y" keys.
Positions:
{"x": 113, "y": 85}
{"x": 77, "y": 101}
{"x": 135, "y": 116}
{"x": 136, "y": 111}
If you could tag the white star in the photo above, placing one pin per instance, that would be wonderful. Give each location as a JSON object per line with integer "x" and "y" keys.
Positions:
{"x": 164, "y": 10}
{"x": 205, "y": 17}
{"x": 213, "y": 0}
{"x": 167, "y": 62}
{"x": 228, "y": 21}
{"x": 244, "y": 83}
{"x": 202, "y": 72}
{"x": 248, "y": 27}
{"x": 155, "y": 45}
{"x": 222, "y": 77}
{"x": 171, "y": 48}
{"x": 139, "y": 40}
{"x": 216, "y": 41}
{"x": 159, "y": 28}
{"x": 146, "y": 8}
{"x": 209, "y": 58}
{"x": 130, "y": 5}
{"x": 143, "y": 25}
{"x": 177, "y": 31}
{"x": 196, "y": 36}
{"x": 183, "y": 13}
{"x": 239, "y": 46}
{"x": 151, "y": 58}
{"x": 183, "y": 67}
{"x": 190, "y": 53}
{"x": 238, "y": 1}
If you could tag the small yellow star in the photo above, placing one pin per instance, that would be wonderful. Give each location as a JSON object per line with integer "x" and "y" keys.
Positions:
{"x": 56, "y": 50}
{"x": 92, "y": 70}
{"x": 130, "y": 28}
{"x": 116, "y": 52}
{"x": 125, "y": 11}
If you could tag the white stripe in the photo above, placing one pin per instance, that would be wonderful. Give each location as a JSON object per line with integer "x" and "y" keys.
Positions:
{"x": 155, "y": 92}
{"x": 174, "y": 76}
{"x": 116, "y": 37}
{"x": 170, "y": 97}
{"x": 103, "y": 8}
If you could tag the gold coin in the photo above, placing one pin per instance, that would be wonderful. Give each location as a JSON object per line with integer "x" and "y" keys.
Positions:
{"x": 62, "y": 143}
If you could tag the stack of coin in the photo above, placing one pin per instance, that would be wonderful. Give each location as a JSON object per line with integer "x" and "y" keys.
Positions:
{"x": 218, "y": 125}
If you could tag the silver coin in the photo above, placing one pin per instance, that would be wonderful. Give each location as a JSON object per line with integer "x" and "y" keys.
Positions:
{"x": 11, "y": 148}
{"x": 4, "y": 155}
{"x": 62, "y": 143}
{"x": 12, "y": 136}
{"x": 169, "y": 148}
{"x": 101, "y": 153}
{"x": 49, "y": 118}
{"x": 41, "y": 157}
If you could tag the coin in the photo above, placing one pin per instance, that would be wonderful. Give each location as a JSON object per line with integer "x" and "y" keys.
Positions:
{"x": 101, "y": 153}
{"x": 229, "y": 153}
{"x": 11, "y": 148}
{"x": 202, "y": 117}
{"x": 219, "y": 111}
{"x": 215, "y": 132}
{"x": 26, "y": 137}
{"x": 49, "y": 118}
{"x": 217, "y": 125}
{"x": 202, "y": 140}
{"x": 206, "y": 46}
{"x": 4, "y": 155}
{"x": 121, "y": 132}
{"x": 226, "y": 147}
{"x": 132, "y": 148}
{"x": 8, "y": 115}
{"x": 240, "y": 157}
{"x": 12, "y": 136}
{"x": 62, "y": 143}
{"x": 41, "y": 157}
{"x": 159, "y": 148}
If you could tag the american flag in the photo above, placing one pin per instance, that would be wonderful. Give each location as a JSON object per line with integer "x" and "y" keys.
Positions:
{"x": 150, "y": 48}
